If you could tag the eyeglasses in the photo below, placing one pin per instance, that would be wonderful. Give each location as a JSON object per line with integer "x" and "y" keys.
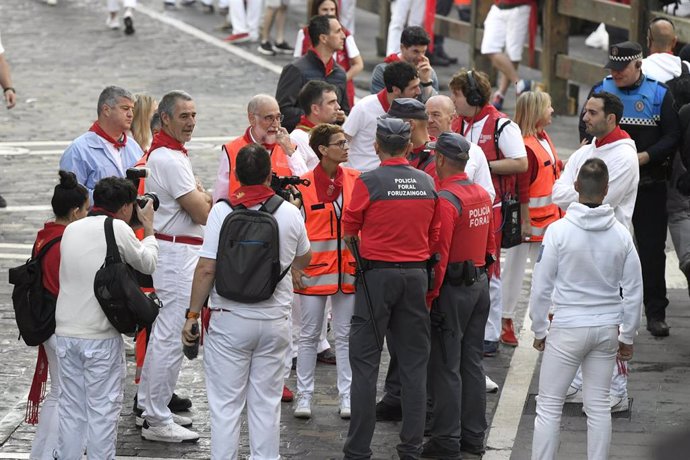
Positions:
{"x": 272, "y": 118}
{"x": 341, "y": 144}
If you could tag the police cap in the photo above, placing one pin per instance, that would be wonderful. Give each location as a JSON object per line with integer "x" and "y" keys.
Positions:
{"x": 392, "y": 130}
{"x": 406, "y": 107}
{"x": 451, "y": 145}
{"x": 622, "y": 54}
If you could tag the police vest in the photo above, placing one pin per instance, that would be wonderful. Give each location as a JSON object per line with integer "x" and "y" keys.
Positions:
{"x": 488, "y": 141}
{"x": 279, "y": 161}
{"x": 642, "y": 106}
{"x": 473, "y": 223}
{"x": 423, "y": 159}
{"x": 332, "y": 266}
{"x": 542, "y": 211}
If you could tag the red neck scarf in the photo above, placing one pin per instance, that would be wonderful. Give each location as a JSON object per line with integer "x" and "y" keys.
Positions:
{"x": 488, "y": 109}
{"x": 304, "y": 124}
{"x": 615, "y": 135}
{"x": 327, "y": 190}
{"x": 383, "y": 99}
{"x": 328, "y": 66}
{"x": 250, "y": 195}
{"x": 98, "y": 211}
{"x": 391, "y": 58}
{"x": 250, "y": 140}
{"x": 96, "y": 128}
{"x": 163, "y": 139}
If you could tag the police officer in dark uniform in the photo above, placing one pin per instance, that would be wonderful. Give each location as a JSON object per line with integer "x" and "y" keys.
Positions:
{"x": 652, "y": 122}
{"x": 460, "y": 306}
{"x": 393, "y": 210}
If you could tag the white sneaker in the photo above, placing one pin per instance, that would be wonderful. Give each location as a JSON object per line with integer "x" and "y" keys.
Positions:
{"x": 178, "y": 419}
{"x": 345, "y": 411}
{"x": 51, "y": 2}
{"x": 573, "y": 395}
{"x": 303, "y": 406}
{"x": 112, "y": 23}
{"x": 491, "y": 386}
{"x": 619, "y": 404}
{"x": 171, "y": 432}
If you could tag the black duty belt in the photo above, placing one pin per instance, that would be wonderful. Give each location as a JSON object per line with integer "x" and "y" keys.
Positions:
{"x": 371, "y": 264}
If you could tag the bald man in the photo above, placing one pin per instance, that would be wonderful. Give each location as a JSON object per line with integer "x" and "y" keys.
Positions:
{"x": 441, "y": 112}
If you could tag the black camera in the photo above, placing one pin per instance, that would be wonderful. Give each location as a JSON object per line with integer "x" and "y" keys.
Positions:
{"x": 135, "y": 175}
{"x": 279, "y": 185}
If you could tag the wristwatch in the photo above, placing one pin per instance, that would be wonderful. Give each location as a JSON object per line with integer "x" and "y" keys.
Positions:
{"x": 427, "y": 84}
{"x": 191, "y": 314}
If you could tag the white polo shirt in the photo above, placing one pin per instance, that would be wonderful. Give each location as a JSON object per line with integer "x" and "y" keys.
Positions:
{"x": 361, "y": 127}
{"x": 300, "y": 138}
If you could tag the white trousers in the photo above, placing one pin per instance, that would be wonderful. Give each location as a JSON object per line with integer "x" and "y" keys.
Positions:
{"x": 295, "y": 321}
{"x": 347, "y": 14}
{"x": 243, "y": 362}
{"x": 400, "y": 10}
{"x": 245, "y": 20}
{"x": 173, "y": 282}
{"x": 46, "y": 438}
{"x": 506, "y": 29}
{"x": 114, "y": 5}
{"x": 492, "y": 330}
{"x": 92, "y": 373}
{"x": 513, "y": 273}
{"x": 567, "y": 348}
{"x": 313, "y": 314}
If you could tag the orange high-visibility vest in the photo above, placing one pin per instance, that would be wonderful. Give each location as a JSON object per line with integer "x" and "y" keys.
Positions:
{"x": 332, "y": 266}
{"x": 279, "y": 161}
{"x": 542, "y": 211}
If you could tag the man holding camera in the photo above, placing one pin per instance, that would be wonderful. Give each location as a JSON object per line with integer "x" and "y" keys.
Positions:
{"x": 91, "y": 350}
{"x": 184, "y": 208}
{"x": 244, "y": 356}
{"x": 264, "y": 129}
{"x": 104, "y": 150}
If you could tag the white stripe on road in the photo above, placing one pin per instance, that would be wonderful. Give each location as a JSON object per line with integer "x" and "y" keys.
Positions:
{"x": 25, "y": 455}
{"x": 28, "y": 208}
{"x": 15, "y": 256}
{"x": 15, "y": 246}
{"x": 12, "y": 420}
{"x": 210, "y": 39}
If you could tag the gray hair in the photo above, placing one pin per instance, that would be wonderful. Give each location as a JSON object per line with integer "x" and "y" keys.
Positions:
{"x": 110, "y": 95}
{"x": 259, "y": 100}
{"x": 167, "y": 104}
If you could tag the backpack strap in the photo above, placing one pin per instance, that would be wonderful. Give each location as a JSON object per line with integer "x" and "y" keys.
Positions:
{"x": 453, "y": 200}
{"x": 45, "y": 248}
{"x": 113, "y": 254}
{"x": 497, "y": 134}
{"x": 271, "y": 206}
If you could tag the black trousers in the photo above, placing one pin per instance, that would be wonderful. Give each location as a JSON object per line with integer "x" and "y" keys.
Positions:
{"x": 650, "y": 221}
{"x": 443, "y": 7}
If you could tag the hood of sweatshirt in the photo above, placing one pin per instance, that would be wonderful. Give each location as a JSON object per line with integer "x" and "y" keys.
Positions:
{"x": 661, "y": 66}
{"x": 593, "y": 219}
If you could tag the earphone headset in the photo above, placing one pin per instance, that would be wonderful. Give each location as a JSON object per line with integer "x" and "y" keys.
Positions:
{"x": 473, "y": 96}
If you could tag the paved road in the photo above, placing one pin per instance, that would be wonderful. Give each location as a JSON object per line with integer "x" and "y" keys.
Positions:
{"x": 63, "y": 56}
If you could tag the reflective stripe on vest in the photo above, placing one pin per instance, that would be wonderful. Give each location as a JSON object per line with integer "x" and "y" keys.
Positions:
{"x": 279, "y": 162}
{"x": 332, "y": 266}
{"x": 641, "y": 106}
{"x": 542, "y": 211}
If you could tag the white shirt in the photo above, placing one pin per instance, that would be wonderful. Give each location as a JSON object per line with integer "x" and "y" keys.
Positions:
{"x": 301, "y": 139}
{"x": 293, "y": 242}
{"x": 510, "y": 141}
{"x": 477, "y": 169}
{"x": 82, "y": 252}
{"x": 662, "y": 66}
{"x": 171, "y": 176}
{"x": 361, "y": 127}
{"x": 624, "y": 175}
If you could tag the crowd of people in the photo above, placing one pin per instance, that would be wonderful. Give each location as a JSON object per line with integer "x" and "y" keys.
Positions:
{"x": 393, "y": 235}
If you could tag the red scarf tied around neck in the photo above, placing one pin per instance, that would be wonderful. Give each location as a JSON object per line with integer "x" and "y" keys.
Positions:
{"x": 96, "y": 128}
{"x": 327, "y": 190}
{"x": 250, "y": 195}
{"x": 163, "y": 139}
{"x": 250, "y": 140}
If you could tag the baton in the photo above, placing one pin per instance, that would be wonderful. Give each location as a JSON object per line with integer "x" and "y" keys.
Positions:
{"x": 355, "y": 252}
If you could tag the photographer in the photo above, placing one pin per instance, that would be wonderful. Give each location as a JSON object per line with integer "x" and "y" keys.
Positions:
{"x": 90, "y": 350}
{"x": 247, "y": 342}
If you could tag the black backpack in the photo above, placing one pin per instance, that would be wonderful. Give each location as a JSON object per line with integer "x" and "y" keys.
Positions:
{"x": 680, "y": 87}
{"x": 34, "y": 306}
{"x": 117, "y": 290}
{"x": 248, "y": 260}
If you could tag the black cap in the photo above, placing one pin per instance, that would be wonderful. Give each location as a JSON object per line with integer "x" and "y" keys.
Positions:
{"x": 451, "y": 145}
{"x": 392, "y": 130}
{"x": 406, "y": 107}
{"x": 622, "y": 54}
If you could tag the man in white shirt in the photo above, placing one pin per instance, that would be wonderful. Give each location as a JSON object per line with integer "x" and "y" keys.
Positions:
{"x": 92, "y": 361}
{"x": 586, "y": 260}
{"x": 244, "y": 355}
{"x": 184, "y": 207}
{"x": 319, "y": 101}
{"x": 401, "y": 80}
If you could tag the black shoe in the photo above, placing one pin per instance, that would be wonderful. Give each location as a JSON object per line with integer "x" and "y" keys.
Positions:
{"x": 266, "y": 49}
{"x": 431, "y": 450}
{"x": 437, "y": 61}
{"x": 387, "y": 413}
{"x": 129, "y": 25}
{"x": 189, "y": 3}
{"x": 209, "y": 9}
{"x": 490, "y": 348}
{"x": 3, "y": 203}
{"x": 657, "y": 327}
{"x": 442, "y": 53}
{"x": 178, "y": 404}
{"x": 283, "y": 48}
{"x": 472, "y": 448}
{"x": 169, "y": 6}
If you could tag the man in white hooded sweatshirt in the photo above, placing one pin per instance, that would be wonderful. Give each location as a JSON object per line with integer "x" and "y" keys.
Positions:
{"x": 603, "y": 112}
{"x": 587, "y": 259}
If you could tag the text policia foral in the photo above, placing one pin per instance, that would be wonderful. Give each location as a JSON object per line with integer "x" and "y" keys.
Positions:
{"x": 407, "y": 187}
